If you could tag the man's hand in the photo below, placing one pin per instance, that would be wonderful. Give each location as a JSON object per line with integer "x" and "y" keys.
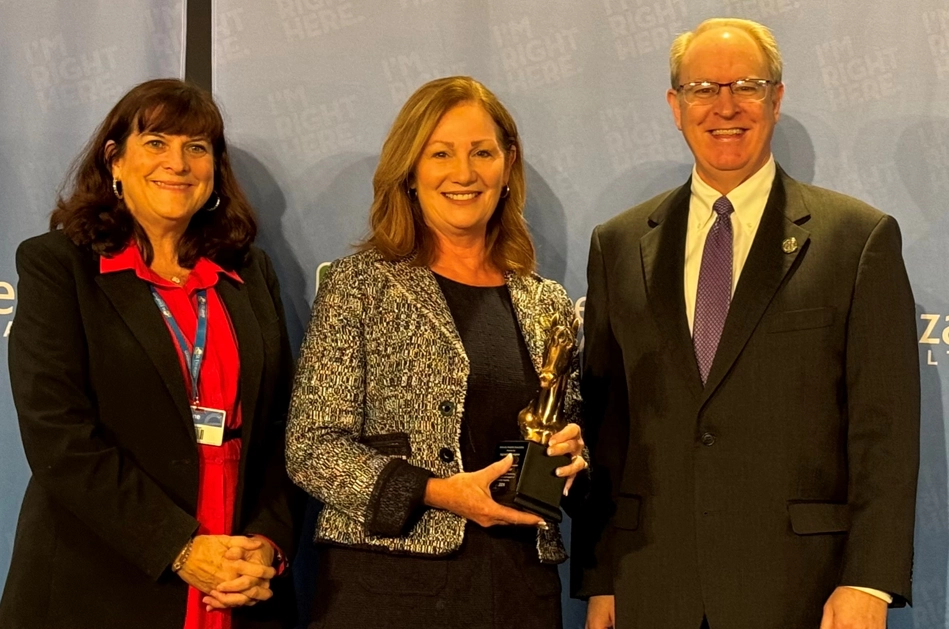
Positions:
{"x": 848, "y": 608}
{"x": 468, "y": 494}
{"x": 601, "y": 612}
{"x": 568, "y": 441}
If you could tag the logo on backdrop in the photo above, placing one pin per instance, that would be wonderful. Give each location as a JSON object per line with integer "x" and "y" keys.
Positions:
{"x": 309, "y": 130}
{"x": 935, "y": 337}
{"x": 936, "y": 24}
{"x": 405, "y": 72}
{"x": 7, "y": 299}
{"x": 164, "y": 25}
{"x": 306, "y": 19}
{"x": 632, "y": 138}
{"x": 227, "y": 46}
{"x": 759, "y": 10}
{"x": 640, "y": 27}
{"x": 852, "y": 77}
{"x": 63, "y": 78}
{"x": 531, "y": 59}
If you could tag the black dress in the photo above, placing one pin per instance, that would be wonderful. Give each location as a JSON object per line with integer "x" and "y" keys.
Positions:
{"x": 495, "y": 579}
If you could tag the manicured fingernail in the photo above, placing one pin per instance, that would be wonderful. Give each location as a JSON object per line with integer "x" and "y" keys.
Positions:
{"x": 542, "y": 525}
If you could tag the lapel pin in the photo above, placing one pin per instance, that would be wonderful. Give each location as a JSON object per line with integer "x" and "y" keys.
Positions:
{"x": 789, "y": 245}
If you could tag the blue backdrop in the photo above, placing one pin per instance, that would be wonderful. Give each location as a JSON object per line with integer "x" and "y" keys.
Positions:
{"x": 309, "y": 88}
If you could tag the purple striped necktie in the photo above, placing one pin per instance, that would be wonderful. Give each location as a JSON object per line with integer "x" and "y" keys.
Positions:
{"x": 714, "y": 293}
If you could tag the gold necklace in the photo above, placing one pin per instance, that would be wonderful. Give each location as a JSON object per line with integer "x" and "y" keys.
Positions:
{"x": 176, "y": 279}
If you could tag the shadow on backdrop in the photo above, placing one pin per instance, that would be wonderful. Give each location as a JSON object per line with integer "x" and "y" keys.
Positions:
{"x": 793, "y": 149}
{"x": 548, "y": 226}
{"x": 922, "y": 161}
{"x": 268, "y": 199}
{"x": 639, "y": 183}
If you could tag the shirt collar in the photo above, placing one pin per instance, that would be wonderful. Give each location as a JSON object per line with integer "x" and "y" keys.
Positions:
{"x": 748, "y": 199}
{"x": 204, "y": 275}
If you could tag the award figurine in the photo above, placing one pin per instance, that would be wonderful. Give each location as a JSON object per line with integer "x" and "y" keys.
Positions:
{"x": 531, "y": 484}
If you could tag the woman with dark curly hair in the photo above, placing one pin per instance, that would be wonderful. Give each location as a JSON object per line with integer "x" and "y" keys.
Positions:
{"x": 150, "y": 369}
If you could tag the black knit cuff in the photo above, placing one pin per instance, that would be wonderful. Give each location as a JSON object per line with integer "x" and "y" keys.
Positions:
{"x": 397, "y": 500}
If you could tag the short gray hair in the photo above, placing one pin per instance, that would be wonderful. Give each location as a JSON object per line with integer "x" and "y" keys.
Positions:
{"x": 759, "y": 32}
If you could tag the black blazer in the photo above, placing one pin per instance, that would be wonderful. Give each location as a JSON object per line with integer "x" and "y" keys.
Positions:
{"x": 794, "y": 469}
{"x": 107, "y": 432}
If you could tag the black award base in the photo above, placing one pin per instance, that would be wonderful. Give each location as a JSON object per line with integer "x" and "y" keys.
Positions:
{"x": 531, "y": 483}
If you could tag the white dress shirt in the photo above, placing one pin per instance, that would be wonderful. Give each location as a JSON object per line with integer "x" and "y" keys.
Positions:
{"x": 748, "y": 200}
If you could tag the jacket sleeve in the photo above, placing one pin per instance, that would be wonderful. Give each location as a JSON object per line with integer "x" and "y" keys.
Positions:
{"x": 324, "y": 455}
{"x": 883, "y": 406}
{"x": 603, "y": 386}
{"x": 278, "y": 505}
{"x": 72, "y": 456}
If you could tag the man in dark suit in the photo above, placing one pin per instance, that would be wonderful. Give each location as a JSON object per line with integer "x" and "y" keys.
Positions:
{"x": 751, "y": 381}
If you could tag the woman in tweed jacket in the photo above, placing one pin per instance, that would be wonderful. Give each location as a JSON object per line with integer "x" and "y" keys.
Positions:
{"x": 421, "y": 349}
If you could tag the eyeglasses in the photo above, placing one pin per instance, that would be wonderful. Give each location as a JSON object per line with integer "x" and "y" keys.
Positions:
{"x": 705, "y": 92}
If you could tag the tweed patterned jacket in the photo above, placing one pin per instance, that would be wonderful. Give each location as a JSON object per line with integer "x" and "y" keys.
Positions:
{"x": 378, "y": 401}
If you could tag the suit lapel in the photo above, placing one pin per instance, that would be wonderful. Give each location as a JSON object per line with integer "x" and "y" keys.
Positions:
{"x": 663, "y": 259}
{"x": 420, "y": 286}
{"x": 762, "y": 275}
{"x": 250, "y": 347}
{"x": 133, "y": 301}
{"x": 534, "y": 329}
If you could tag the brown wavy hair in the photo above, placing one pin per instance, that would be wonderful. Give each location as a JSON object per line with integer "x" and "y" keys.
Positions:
{"x": 397, "y": 227}
{"x": 89, "y": 213}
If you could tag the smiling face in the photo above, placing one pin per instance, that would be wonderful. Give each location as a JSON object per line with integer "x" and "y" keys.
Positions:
{"x": 461, "y": 172}
{"x": 731, "y": 139}
{"x": 165, "y": 178}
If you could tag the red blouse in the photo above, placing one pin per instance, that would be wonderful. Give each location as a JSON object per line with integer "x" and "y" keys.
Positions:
{"x": 218, "y": 387}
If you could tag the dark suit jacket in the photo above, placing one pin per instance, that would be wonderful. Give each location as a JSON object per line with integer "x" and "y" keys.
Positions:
{"x": 794, "y": 469}
{"x": 109, "y": 438}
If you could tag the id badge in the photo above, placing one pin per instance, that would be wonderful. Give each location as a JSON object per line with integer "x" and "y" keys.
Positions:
{"x": 208, "y": 425}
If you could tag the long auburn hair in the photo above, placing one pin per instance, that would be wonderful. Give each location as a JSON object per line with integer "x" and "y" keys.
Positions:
{"x": 89, "y": 213}
{"x": 397, "y": 227}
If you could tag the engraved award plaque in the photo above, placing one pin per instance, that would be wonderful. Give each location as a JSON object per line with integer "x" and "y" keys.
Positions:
{"x": 531, "y": 484}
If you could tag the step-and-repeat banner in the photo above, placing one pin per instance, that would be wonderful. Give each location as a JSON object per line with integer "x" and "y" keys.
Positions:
{"x": 310, "y": 87}
{"x": 65, "y": 64}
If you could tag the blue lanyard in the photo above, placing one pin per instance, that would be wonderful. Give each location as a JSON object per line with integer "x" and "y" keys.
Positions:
{"x": 196, "y": 357}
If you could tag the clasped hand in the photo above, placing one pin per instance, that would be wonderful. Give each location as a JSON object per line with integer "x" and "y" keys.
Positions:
{"x": 468, "y": 494}
{"x": 231, "y": 570}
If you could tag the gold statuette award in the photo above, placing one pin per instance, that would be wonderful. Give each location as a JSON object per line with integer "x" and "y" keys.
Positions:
{"x": 531, "y": 483}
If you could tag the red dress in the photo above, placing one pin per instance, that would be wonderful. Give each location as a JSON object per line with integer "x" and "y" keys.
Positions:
{"x": 217, "y": 388}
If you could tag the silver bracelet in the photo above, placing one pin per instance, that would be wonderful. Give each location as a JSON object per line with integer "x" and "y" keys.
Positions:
{"x": 182, "y": 557}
